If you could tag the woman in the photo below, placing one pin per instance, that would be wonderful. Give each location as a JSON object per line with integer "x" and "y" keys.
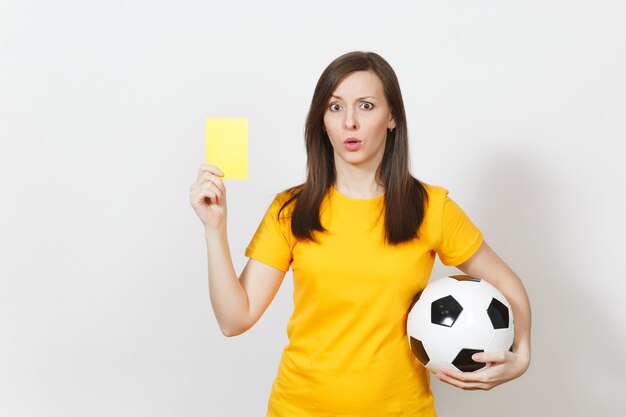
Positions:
{"x": 361, "y": 236}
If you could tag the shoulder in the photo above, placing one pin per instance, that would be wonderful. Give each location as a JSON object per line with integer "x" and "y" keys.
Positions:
{"x": 284, "y": 200}
{"x": 435, "y": 204}
{"x": 435, "y": 193}
{"x": 289, "y": 193}
{"x": 431, "y": 227}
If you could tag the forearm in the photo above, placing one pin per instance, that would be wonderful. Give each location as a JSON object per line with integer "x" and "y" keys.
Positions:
{"x": 228, "y": 297}
{"x": 488, "y": 265}
{"x": 516, "y": 295}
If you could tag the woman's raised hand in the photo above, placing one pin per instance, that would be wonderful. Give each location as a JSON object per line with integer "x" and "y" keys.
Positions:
{"x": 208, "y": 197}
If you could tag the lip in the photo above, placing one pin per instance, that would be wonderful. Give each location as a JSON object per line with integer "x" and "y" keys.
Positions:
{"x": 352, "y": 144}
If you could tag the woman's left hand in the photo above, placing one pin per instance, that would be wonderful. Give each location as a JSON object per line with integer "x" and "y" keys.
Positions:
{"x": 504, "y": 366}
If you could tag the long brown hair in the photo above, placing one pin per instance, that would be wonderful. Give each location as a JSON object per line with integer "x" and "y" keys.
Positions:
{"x": 405, "y": 197}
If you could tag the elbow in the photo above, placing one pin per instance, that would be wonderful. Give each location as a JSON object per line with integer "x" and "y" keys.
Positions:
{"x": 233, "y": 331}
{"x": 230, "y": 333}
{"x": 234, "y": 325}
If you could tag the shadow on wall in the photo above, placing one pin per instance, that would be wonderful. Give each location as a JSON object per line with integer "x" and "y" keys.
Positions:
{"x": 577, "y": 357}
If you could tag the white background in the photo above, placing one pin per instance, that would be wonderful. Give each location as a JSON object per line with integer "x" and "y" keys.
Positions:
{"x": 518, "y": 108}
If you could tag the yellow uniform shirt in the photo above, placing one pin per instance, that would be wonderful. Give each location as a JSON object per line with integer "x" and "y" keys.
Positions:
{"x": 348, "y": 352}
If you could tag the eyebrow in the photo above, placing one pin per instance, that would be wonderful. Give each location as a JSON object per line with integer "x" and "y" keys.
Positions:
{"x": 360, "y": 98}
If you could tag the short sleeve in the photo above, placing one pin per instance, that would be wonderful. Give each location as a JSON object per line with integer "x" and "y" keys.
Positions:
{"x": 460, "y": 238}
{"x": 272, "y": 243}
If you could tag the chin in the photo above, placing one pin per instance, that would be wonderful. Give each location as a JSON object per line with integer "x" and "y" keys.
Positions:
{"x": 355, "y": 160}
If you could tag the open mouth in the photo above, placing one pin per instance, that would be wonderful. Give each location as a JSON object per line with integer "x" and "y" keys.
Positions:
{"x": 352, "y": 144}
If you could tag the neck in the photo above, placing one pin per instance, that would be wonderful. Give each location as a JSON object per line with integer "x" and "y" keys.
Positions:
{"x": 357, "y": 181}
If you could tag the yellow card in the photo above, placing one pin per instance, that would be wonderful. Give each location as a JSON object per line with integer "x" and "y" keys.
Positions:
{"x": 227, "y": 145}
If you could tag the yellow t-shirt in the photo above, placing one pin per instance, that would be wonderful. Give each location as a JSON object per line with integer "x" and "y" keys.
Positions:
{"x": 348, "y": 352}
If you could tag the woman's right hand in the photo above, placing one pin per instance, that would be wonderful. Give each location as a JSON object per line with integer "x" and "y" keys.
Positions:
{"x": 208, "y": 197}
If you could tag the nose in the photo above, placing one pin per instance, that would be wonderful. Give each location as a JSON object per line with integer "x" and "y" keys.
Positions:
{"x": 350, "y": 121}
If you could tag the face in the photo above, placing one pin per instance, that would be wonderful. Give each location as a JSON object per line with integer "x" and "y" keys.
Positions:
{"x": 357, "y": 119}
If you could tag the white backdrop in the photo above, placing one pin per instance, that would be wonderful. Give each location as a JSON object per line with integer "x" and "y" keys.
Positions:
{"x": 515, "y": 107}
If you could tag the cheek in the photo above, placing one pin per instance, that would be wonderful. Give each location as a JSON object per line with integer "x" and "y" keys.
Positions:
{"x": 382, "y": 123}
{"x": 331, "y": 125}
{"x": 328, "y": 120}
{"x": 378, "y": 127}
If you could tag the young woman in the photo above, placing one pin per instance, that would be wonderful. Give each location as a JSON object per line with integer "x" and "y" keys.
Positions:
{"x": 360, "y": 235}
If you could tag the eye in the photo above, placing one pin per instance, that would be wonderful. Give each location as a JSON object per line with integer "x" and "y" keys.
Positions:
{"x": 333, "y": 108}
{"x": 367, "y": 105}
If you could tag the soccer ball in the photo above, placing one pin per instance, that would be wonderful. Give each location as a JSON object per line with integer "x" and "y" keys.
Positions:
{"x": 455, "y": 317}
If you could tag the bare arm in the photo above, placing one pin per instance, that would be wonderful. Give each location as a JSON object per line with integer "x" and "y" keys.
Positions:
{"x": 487, "y": 265}
{"x": 238, "y": 303}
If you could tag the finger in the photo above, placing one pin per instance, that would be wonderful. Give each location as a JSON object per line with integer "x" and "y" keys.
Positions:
{"x": 200, "y": 192}
{"x": 210, "y": 168}
{"x": 199, "y": 195}
{"x": 457, "y": 375}
{"x": 211, "y": 191}
{"x": 205, "y": 177}
{"x": 490, "y": 357}
{"x": 477, "y": 378}
{"x": 462, "y": 384}
{"x": 482, "y": 376}
{"x": 215, "y": 180}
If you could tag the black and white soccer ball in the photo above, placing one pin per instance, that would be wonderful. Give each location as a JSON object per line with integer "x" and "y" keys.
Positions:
{"x": 455, "y": 317}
